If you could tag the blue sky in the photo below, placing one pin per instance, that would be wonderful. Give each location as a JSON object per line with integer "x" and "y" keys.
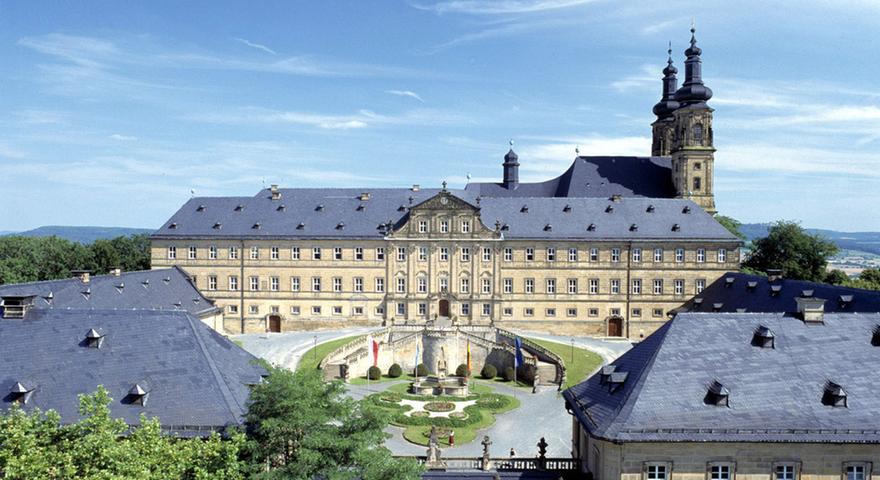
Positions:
{"x": 112, "y": 112}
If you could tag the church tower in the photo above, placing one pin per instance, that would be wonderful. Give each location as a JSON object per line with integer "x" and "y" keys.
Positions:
{"x": 663, "y": 128}
{"x": 693, "y": 152}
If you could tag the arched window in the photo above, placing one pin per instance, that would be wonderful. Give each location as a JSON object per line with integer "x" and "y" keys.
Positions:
{"x": 697, "y": 184}
{"x": 698, "y": 133}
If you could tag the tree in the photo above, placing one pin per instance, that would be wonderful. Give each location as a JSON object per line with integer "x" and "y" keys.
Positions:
{"x": 731, "y": 224}
{"x": 869, "y": 279}
{"x": 304, "y": 428}
{"x": 836, "y": 277}
{"x": 787, "y": 246}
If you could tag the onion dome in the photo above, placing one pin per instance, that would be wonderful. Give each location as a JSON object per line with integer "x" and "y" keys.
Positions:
{"x": 693, "y": 91}
{"x": 667, "y": 104}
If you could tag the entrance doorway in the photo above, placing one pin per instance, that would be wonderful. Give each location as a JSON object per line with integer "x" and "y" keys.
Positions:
{"x": 615, "y": 327}
{"x": 275, "y": 323}
{"x": 444, "y": 308}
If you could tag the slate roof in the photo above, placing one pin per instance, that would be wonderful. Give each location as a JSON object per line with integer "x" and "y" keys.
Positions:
{"x": 159, "y": 289}
{"x": 775, "y": 394}
{"x": 339, "y": 213}
{"x": 756, "y": 293}
{"x": 197, "y": 379}
{"x": 596, "y": 177}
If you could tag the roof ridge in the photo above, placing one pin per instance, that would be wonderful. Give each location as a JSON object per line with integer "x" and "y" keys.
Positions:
{"x": 228, "y": 397}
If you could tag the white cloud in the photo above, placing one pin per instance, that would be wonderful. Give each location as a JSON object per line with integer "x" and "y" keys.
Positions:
{"x": 765, "y": 157}
{"x": 360, "y": 119}
{"x": 499, "y": 7}
{"x": 257, "y": 46}
{"x": 664, "y": 25}
{"x": 405, "y": 93}
{"x": 122, "y": 138}
{"x": 544, "y": 160}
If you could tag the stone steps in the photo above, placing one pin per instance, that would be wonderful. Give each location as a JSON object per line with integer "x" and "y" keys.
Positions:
{"x": 546, "y": 373}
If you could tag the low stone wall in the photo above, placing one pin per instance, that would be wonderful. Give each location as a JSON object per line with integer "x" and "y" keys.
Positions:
{"x": 258, "y": 325}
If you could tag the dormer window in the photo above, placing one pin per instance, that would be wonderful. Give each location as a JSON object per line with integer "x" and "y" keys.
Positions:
{"x": 875, "y": 336}
{"x": 833, "y": 395}
{"x": 239, "y": 207}
{"x": 524, "y": 209}
{"x": 280, "y": 208}
{"x": 95, "y": 338}
{"x": 566, "y": 208}
{"x": 844, "y": 301}
{"x": 138, "y": 394}
{"x": 616, "y": 381}
{"x": 775, "y": 290}
{"x": 686, "y": 210}
{"x": 676, "y": 227}
{"x": 257, "y": 226}
{"x": 605, "y": 373}
{"x": 200, "y": 208}
{"x": 340, "y": 225}
{"x": 763, "y": 337}
{"x": 173, "y": 226}
{"x": 728, "y": 281}
{"x": 591, "y": 227}
{"x": 319, "y": 208}
{"x": 634, "y": 228}
{"x": 21, "y": 392}
{"x": 650, "y": 209}
{"x": 217, "y": 226}
{"x": 751, "y": 286}
{"x": 717, "y": 394}
{"x": 301, "y": 226}
{"x": 548, "y": 227}
{"x": 609, "y": 209}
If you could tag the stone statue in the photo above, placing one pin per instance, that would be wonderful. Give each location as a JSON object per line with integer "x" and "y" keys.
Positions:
{"x": 441, "y": 363}
{"x": 434, "y": 461}
{"x": 485, "y": 462}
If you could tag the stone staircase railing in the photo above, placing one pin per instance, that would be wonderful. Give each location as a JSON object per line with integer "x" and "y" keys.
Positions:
{"x": 540, "y": 351}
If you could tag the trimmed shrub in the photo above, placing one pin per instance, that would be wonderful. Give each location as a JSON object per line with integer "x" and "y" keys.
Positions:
{"x": 422, "y": 370}
{"x": 509, "y": 374}
{"x": 373, "y": 373}
{"x": 488, "y": 372}
{"x": 395, "y": 371}
{"x": 462, "y": 371}
{"x": 526, "y": 373}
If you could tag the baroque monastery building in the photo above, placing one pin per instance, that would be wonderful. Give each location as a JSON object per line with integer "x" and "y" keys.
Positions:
{"x": 609, "y": 247}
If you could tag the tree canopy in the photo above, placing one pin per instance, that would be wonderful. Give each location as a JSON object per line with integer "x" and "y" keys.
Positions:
{"x": 731, "y": 224}
{"x": 29, "y": 259}
{"x": 787, "y": 246}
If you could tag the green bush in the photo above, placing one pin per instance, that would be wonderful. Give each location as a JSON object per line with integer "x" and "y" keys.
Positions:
{"x": 527, "y": 373}
{"x": 509, "y": 374}
{"x": 373, "y": 373}
{"x": 421, "y": 370}
{"x": 462, "y": 371}
{"x": 489, "y": 371}
{"x": 395, "y": 371}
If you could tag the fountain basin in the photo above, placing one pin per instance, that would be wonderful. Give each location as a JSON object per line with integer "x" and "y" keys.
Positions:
{"x": 435, "y": 385}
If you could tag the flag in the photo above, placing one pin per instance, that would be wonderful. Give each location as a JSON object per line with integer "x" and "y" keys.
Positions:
{"x": 518, "y": 360}
{"x": 469, "y": 356}
{"x": 370, "y": 348}
{"x": 375, "y": 347}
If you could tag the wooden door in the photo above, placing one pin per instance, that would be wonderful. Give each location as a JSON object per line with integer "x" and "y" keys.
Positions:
{"x": 615, "y": 327}
{"x": 274, "y": 323}
{"x": 444, "y": 308}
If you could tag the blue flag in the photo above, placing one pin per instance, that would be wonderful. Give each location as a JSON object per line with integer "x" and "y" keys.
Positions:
{"x": 518, "y": 360}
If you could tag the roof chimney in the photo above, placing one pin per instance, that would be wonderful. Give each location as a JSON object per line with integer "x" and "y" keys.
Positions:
{"x": 116, "y": 271}
{"x": 774, "y": 274}
{"x": 811, "y": 309}
{"x": 276, "y": 194}
{"x": 83, "y": 275}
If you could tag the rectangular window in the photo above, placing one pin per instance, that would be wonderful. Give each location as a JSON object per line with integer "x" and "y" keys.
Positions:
{"x": 274, "y": 283}
{"x": 401, "y": 254}
{"x": 658, "y": 286}
{"x": 784, "y": 471}
{"x": 359, "y": 254}
{"x": 529, "y": 312}
{"x": 380, "y": 254}
{"x": 465, "y": 254}
{"x": 721, "y": 471}
{"x": 594, "y": 254}
{"x": 530, "y": 285}
{"x": 316, "y": 310}
{"x": 487, "y": 309}
{"x": 233, "y": 253}
{"x": 423, "y": 254}
{"x": 337, "y": 284}
{"x": 212, "y": 282}
{"x": 550, "y": 312}
{"x": 358, "y": 284}
{"x": 530, "y": 254}
{"x": 212, "y": 252}
{"x": 571, "y": 312}
{"x": 191, "y": 253}
{"x": 508, "y": 254}
{"x": 401, "y": 285}
{"x": 551, "y": 285}
{"x": 337, "y": 310}
{"x": 637, "y": 312}
{"x": 253, "y": 309}
{"x": 357, "y": 311}
{"x": 294, "y": 284}
{"x": 615, "y": 286}
{"x": 294, "y": 310}
{"x": 697, "y": 183}
{"x": 465, "y": 308}
{"x": 656, "y": 471}
{"x": 255, "y": 253}
{"x": 465, "y": 285}
{"x": 658, "y": 255}
{"x": 444, "y": 226}
{"x": 465, "y": 226}
{"x": 572, "y": 254}
{"x": 444, "y": 284}
{"x": 508, "y": 285}
{"x": 380, "y": 311}
{"x": 551, "y": 254}
{"x": 679, "y": 255}
{"x": 423, "y": 309}
{"x": 636, "y": 286}
{"x": 486, "y": 287}
{"x": 316, "y": 253}
{"x": 637, "y": 255}
{"x": 615, "y": 255}
{"x": 316, "y": 284}
{"x": 593, "y": 312}
{"x": 172, "y": 253}
{"x": 507, "y": 312}
{"x": 856, "y": 471}
{"x": 444, "y": 254}
{"x": 254, "y": 283}
{"x": 337, "y": 253}
{"x": 722, "y": 255}
{"x": 572, "y": 285}
{"x": 701, "y": 255}
{"x": 678, "y": 285}
{"x": 487, "y": 254}
{"x": 294, "y": 253}
{"x": 233, "y": 283}
{"x": 423, "y": 226}
{"x": 422, "y": 284}
{"x": 700, "y": 285}
{"x": 273, "y": 253}
{"x": 380, "y": 285}
{"x": 658, "y": 312}
{"x": 594, "y": 286}
{"x": 232, "y": 308}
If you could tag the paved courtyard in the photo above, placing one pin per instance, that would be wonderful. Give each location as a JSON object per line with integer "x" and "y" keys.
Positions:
{"x": 541, "y": 414}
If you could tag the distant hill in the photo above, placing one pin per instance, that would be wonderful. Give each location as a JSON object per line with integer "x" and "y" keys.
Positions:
{"x": 861, "y": 241}
{"x": 81, "y": 234}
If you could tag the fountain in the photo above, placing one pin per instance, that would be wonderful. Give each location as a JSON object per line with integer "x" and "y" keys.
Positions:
{"x": 440, "y": 384}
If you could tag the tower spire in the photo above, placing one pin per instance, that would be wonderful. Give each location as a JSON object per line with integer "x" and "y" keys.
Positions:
{"x": 511, "y": 169}
{"x": 693, "y": 91}
{"x": 667, "y": 104}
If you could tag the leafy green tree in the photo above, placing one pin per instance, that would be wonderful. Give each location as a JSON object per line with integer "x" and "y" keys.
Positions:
{"x": 787, "y": 246}
{"x": 731, "y": 224}
{"x": 304, "y": 428}
{"x": 836, "y": 277}
{"x": 869, "y": 279}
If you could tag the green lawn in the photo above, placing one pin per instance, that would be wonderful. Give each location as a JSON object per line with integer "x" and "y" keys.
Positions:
{"x": 313, "y": 357}
{"x": 585, "y": 361}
